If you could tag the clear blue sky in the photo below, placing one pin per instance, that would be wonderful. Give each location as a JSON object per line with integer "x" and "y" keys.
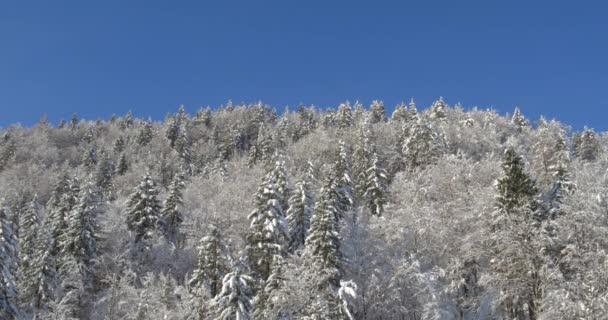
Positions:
{"x": 102, "y": 57}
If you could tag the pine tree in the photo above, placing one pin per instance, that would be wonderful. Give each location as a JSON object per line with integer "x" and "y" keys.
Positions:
{"x": 401, "y": 114}
{"x": 344, "y": 182}
{"x": 515, "y": 189}
{"x": 89, "y": 158}
{"x": 203, "y": 117}
{"x": 589, "y": 146}
{"x": 299, "y": 214}
{"x": 518, "y": 119}
{"x": 376, "y": 187}
{"x": 212, "y": 265}
{"x": 42, "y": 276}
{"x": 143, "y": 209}
{"x": 173, "y": 130}
{"x": 28, "y": 231}
{"x": 183, "y": 148}
{"x": 377, "y": 112}
{"x": 421, "y": 148}
{"x": 269, "y": 298}
{"x": 344, "y": 117}
{"x": 361, "y": 158}
{"x": 146, "y": 133}
{"x": 74, "y": 121}
{"x": 412, "y": 109}
{"x": 263, "y": 149}
{"x": 322, "y": 248}
{"x": 268, "y": 233}
{"x": 79, "y": 242}
{"x": 104, "y": 176}
{"x": 235, "y": 299}
{"x": 172, "y": 217}
{"x": 123, "y": 165}
{"x": 8, "y": 268}
{"x": 439, "y": 109}
{"x": 119, "y": 145}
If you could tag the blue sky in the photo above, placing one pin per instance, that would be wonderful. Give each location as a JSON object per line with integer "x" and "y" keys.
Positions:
{"x": 97, "y": 58}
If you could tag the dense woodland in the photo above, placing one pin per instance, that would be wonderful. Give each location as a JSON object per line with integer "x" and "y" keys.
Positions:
{"x": 243, "y": 212}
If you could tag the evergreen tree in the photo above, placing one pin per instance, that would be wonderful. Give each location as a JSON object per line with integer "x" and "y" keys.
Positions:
{"x": 518, "y": 119}
{"x": 344, "y": 182}
{"x": 123, "y": 165}
{"x": 344, "y": 117}
{"x": 89, "y": 158}
{"x": 589, "y": 146}
{"x": 146, "y": 133}
{"x": 104, "y": 175}
{"x": 401, "y": 114}
{"x": 515, "y": 189}
{"x": 376, "y": 187}
{"x": 269, "y": 298}
{"x": 361, "y": 158}
{"x": 74, "y": 121}
{"x": 235, "y": 299}
{"x": 439, "y": 109}
{"x": 119, "y": 145}
{"x": 183, "y": 148}
{"x": 268, "y": 233}
{"x": 203, "y": 117}
{"x": 8, "y": 268}
{"x": 79, "y": 242}
{"x": 377, "y": 112}
{"x": 212, "y": 263}
{"x": 413, "y": 110}
{"x": 28, "y": 231}
{"x": 299, "y": 214}
{"x": 263, "y": 149}
{"x": 143, "y": 209}
{"x": 172, "y": 217}
{"x": 173, "y": 130}
{"x": 42, "y": 276}
{"x": 421, "y": 148}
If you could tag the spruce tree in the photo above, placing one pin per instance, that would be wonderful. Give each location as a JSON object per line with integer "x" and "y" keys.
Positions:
{"x": 235, "y": 299}
{"x": 377, "y": 112}
{"x": 9, "y": 304}
{"x": 401, "y": 114}
{"x": 74, "y": 121}
{"x": 123, "y": 165}
{"x": 104, "y": 176}
{"x": 146, "y": 133}
{"x": 421, "y": 148}
{"x": 212, "y": 263}
{"x": 119, "y": 145}
{"x": 298, "y": 215}
{"x": 42, "y": 276}
{"x": 589, "y": 146}
{"x": 439, "y": 109}
{"x": 79, "y": 242}
{"x": 143, "y": 209}
{"x": 173, "y": 130}
{"x": 361, "y": 158}
{"x": 172, "y": 216}
{"x": 28, "y": 231}
{"x": 344, "y": 117}
{"x": 89, "y": 157}
{"x": 268, "y": 232}
{"x": 518, "y": 119}
{"x": 375, "y": 192}
{"x": 183, "y": 148}
{"x": 515, "y": 189}
{"x": 344, "y": 182}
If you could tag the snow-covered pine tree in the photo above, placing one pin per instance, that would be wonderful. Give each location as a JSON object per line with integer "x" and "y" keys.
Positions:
{"x": 203, "y": 117}
{"x": 143, "y": 209}
{"x": 514, "y": 189}
{"x": 589, "y": 147}
{"x": 377, "y": 112}
{"x": 518, "y": 119}
{"x": 173, "y": 130}
{"x": 421, "y": 148}
{"x": 42, "y": 276}
{"x": 146, "y": 133}
{"x": 184, "y": 149}
{"x": 361, "y": 157}
{"x": 375, "y": 192}
{"x": 9, "y": 297}
{"x": 28, "y": 233}
{"x": 212, "y": 262}
{"x": 119, "y": 145}
{"x": 123, "y": 165}
{"x": 74, "y": 121}
{"x": 104, "y": 175}
{"x": 439, "y": 109}
{"x": 269, "y": 299}
{"x": 344, "y": 181}
{"x": 235, "y": 299}
{"x": 298, "y": 215}
{"x": 401, "y": 114}
{"x": 412, "y": 109}
{"x": 89, "y": 157}
{"x": 344, "y": 117}
{"x": 79, "y": 242}
{"x": 171, "y": 214}
{"x": 268, "y": 232}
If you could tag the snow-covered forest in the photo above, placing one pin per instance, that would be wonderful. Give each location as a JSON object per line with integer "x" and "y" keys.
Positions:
{"x": 246, "y": 212}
